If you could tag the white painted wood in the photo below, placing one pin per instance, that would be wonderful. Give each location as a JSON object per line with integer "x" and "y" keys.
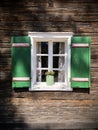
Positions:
{"x": 50, "y": 37}
{"x": 39, "y": 72}
{"x": 20, "y": 45}
{"x": 42, "y": 54}
{"x": 60, "y": 54}
{"x": 32, "y": 69}
{"x": 66, "y": 62}
{"x": 42, "y": 86}
{"x": 68, "y": 40}
{"x": 42, "y": 68}
{"x": 33, "y": 62}
{"x": 50, "y": 57}
{"x": 21, "y": 79}
{"x": 81, "y": 45}
{"x": 80, "y": 79}
{"x": 52, "y": 69}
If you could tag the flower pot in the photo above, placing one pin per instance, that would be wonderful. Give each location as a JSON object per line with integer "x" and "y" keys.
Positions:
{"x": 50, "y": 80}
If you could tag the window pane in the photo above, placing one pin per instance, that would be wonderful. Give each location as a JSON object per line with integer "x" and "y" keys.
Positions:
{"x": 39, "y": 62}
{"x": 42, "y": 61}
{"x": 55, "y": 47}
{"x": 59, "y": 76}
{"x": 55, "y": 62}
{"x": 58, "y": 48}
{"x": 59, "y": 62}
{"x": 41, "y": 77}
{"x": 56, "y": 76}
{"x": 42, "y": 48}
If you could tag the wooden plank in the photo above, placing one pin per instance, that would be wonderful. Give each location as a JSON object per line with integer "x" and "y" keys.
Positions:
{"x": 27, "y": 101}
{"x": 76, "y": 1}
{"x": 74, "y": 12}
{"x": 52, "y": 16}
{"x": 50, "y": 27}
{"x": 63, "y": 1}
{"x": 79, "y": 26}
{"x": 5, "y": 50}
{"x": 25, "y": 32}
{"x": 64, "y": 4}
{"x": 94, "y": 72}
{"x": 94, "y": 63}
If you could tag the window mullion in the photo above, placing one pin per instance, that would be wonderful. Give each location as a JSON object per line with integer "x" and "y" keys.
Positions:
{"x": 50, "y": 57}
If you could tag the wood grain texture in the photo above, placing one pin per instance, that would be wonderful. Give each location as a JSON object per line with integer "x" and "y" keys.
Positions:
{"x": 21, "y": 109}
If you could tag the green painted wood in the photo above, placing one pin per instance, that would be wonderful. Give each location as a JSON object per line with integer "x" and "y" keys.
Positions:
{"x": 20, "y": 61}
{"x": 80, "y": 62}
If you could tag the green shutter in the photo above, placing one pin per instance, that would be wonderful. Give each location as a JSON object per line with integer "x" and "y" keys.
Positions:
{"x": 80, "y": 62}
{"x": 21, "y": 61}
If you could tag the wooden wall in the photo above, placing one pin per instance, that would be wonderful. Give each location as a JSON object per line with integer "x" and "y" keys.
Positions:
{"x": 21, "y": 109}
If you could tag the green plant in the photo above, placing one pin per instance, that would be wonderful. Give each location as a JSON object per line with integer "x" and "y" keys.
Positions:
{"x": 49, "y": 73}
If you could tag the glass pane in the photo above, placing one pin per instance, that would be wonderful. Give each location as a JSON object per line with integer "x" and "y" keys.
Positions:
{"x": 59, "y": 76}
{"x": 55, "y": 62}
{"x": 39, "y": 62}
{"x": 42, "y": 48}
{"x": 58, "y": 48}
{"x": 55, "y": 47}
{"x": 59, "y": 62}
{"x": 41, "y": 77}
{"x": 42, "y": 61}
{"x": 56, "y": 76}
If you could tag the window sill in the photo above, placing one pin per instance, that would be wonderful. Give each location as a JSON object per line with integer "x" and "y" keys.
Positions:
{"x": 44, "y": 87}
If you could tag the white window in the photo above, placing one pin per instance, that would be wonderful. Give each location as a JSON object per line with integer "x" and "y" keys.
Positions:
{"x": 50, "y": 51}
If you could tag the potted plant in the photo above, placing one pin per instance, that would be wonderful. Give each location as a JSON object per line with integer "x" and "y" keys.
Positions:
{"x": 50, "y": 77}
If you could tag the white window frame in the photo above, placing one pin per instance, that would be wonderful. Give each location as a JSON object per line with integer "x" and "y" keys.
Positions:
{"x": 50, "y": 37}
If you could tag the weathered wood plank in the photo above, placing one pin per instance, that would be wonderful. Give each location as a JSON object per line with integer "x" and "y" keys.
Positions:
{"x": 76, "y": 1}
{"x": 28, "y": 110}
{"x": 35, "y": 29}
{"x": 5, "y": 51}
{"x": 24, "y": 31}
{"x": 46, "y": 16}
{"x": 65, "y": 103}
{"x": 28, "y": 25}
